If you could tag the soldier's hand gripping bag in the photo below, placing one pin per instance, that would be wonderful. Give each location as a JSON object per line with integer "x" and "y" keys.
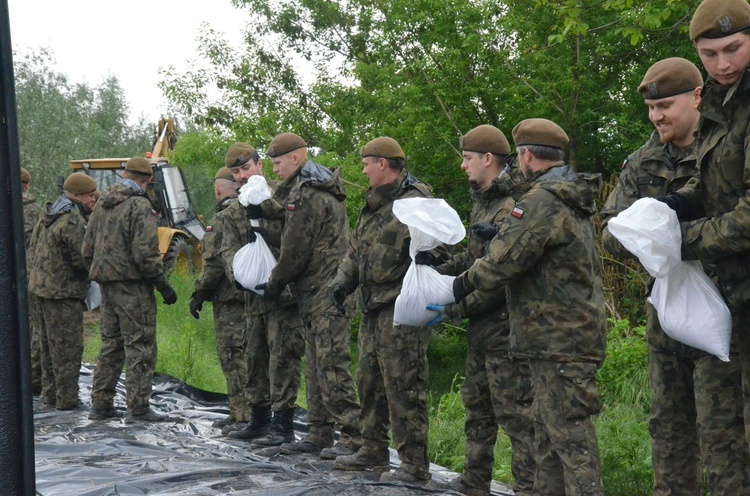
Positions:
{"x": 431, "y": 222}
{"x": 253, "y": 263}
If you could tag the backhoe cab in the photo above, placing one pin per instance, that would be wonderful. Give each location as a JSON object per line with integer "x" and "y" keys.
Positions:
{"x": 180, "y": 229}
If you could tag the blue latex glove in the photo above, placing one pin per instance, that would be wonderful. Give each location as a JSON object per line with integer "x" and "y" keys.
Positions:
{"x": 441, "y": 316}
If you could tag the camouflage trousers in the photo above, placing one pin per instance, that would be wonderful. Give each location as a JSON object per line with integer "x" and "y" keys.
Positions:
{"x": 229, "y": 322}
{"x": 36, "y": 361}
{"x": 567, "y": 452}
{"x": 497, "y": 390}
{"x": 128, "y": 329}
{"x": 392, "y": 376}
{"x": 274, "y": 345}
{"x": 696, "y": 414}
{"x": 61, "y": 350}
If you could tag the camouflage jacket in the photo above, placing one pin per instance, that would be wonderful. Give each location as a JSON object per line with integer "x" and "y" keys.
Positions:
{"x": 57, "y": 269}
{"x": 315, "y": 235}
{"x": 487, "y": 310}
{"x": 121, "y": 242}
{"x": 31, "y": 213}
{"x": 723, "y": 154}
{"x": 378, "y": 253}
{"x": 212, "y": 283}
{"x": 546, "y": 252}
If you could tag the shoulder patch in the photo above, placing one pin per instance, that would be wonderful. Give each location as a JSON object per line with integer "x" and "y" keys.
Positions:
{"x": 517, "y": 212}
{"x": 209, "y": 228}
{"x": 624, "y": 164}
{"x": 291, "y": 206}
{"x": 153, "y": 212}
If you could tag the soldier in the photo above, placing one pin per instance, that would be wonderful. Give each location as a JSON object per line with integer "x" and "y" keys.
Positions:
{"x": 546, "y": 252}
{"x": 59, "y": 280}
{"x": 228, "y": 306}
{"x": 31, "y": 214}
{"x": 696, "y": 406}
{"x": 121, "y": 249}
{"x": 314, "y": 238}
{"x": 715, "y": 207}
{"x": 274, "y": 335}
{"x": 392, "y": 372}
{"x": 497, "y": 389}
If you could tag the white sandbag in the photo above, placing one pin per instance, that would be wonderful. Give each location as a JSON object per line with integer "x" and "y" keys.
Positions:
{"x": 431, "y": 222}
{"x": 253, "y": 263}
{"x": 255, "y": 191}
{"x": 94, "y": 296}
{"x": 691, "y": 309}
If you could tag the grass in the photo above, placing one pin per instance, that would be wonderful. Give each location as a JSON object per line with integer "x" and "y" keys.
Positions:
{"x": 187, "y": 350}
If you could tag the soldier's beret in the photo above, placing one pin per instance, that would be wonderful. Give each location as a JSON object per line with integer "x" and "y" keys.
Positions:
{"x": 224, "y": 173}
{"x": 719, "y": 18}
{"x": 541, "y": 132}
{"x": 239, "y": 154}
{"x": 485, "y": 139}
{"x": 79, "y": 184}
{"x": 383, "y": 147}
{"x": 25, "y": 176}
{"x": 139, "y": 165}
{"x": 284, "y": 143}
{"x": 670, "y": 77}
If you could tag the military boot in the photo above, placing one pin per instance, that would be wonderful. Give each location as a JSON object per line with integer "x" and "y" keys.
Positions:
{"x": 458, "y": 485}
{"x": 258, "y": 426}
{"x": 363, "y": 460}
{"x": 280, "y": 432}
{"x": 317, "y": 439}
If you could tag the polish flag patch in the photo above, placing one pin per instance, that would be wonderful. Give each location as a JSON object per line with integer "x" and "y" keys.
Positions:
{"x": 291, "y": 207}
{"x": 517, "y": 213}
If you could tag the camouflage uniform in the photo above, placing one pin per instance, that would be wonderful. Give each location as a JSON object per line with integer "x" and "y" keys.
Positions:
{"x": 59, "y": 279}
{"x": 121, "y": 249}
{"x": 721, "y": 238}
{"x": 696, "y": 406}
{"x": 546, "y": 253}
{"x": 497, "y": 389}
{"x": 31, "y": 213}
{"x": 392, "y": 373}
{"x": 274, "y": 335}
{"x": 313, "y": 241}
{"x": 229, "y": 315}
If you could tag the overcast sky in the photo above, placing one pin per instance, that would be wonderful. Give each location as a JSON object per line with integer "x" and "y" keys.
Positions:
{"x": 130, "y": 39}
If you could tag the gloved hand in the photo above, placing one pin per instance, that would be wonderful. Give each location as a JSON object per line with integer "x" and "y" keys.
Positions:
{"x": 338, "y": 295}
{"x": 251, "y": 236}
{"x": 253, "y": 212}
{"x": 425, "y": 258}
{"x": 484, "y": 230}
{"x": 459, "y": 291}
{"x": 196, "y": 306}
{"x": 268, "y": 294}
{"x": 240, "y": 286}
{"x": 676, "y": 203}
{"x": 169, "y": 295}
{"x": 441, "y": 316}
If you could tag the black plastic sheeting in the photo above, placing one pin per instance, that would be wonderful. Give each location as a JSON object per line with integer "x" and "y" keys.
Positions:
{"x": 79, "y": 457}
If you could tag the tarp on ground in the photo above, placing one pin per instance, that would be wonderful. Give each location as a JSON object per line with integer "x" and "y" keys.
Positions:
{"x": 79, "y": 457}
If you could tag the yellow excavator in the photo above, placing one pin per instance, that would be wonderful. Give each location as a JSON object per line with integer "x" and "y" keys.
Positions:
{"x": 180, "y": 229}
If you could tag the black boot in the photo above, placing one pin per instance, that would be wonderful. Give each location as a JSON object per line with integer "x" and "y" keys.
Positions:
{"x": 281, "y": 431}
{"x": 258, "y": 426}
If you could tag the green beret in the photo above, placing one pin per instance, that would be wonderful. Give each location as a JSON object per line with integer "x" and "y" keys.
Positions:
{"x": 284, "y": 143}
{"x": 79, "y": 184}
{"x": 139, "y": 165}
{"x": 239, "y": 154}
{"x": 541, "y": 132}
{"x": 485, "y": 139}
{"x": 25, "y": 176}
{"x": 224, "y": 173}
{"x": 383, "y": 147}
{"x": 719, "y": 18}
{"x": 670, "y": 77}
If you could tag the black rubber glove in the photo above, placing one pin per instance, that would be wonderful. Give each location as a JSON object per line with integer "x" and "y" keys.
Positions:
{"x": 240, "y": 286}
{"x": 338, "y": 295}
{"x": 196, "y": 305}
{"x": 169, "y": 295}
{"x": 676, "y": 203}
{"x": 484, "y": 230}
{"x": 268, "y": 294}
{"x": 251, "y": 236}
{"x": 425, "y": 258}
{"x": 459, "y": 291}
{"x": 253, "y": 212}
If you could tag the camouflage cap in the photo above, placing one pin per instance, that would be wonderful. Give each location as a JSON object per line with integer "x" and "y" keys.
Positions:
{"x": 485, "y": 139}
{"x": 540, "y": 132}
{"x": 139, "y": 165}
{"x": 224, "y": 173}
{"x": 284, "y": 143}
{"x": 383, "y": 147}
{"x": 79, "y": 184}
{"x": 670, "y": 77}
{"x": 25, "y": 176}
{"x": 719, "y": 18}
{"x": 239, "y": 154}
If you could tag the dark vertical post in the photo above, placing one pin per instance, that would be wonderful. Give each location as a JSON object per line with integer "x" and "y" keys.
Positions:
{"x": 16, "y": 415}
